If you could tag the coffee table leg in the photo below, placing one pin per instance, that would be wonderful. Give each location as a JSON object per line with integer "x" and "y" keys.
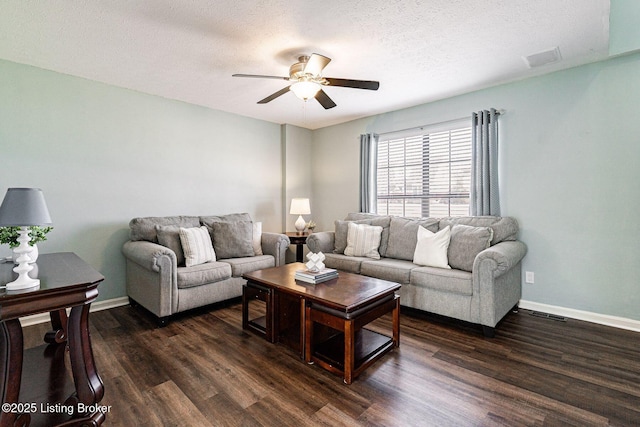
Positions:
{"x": 245, "y": 308}
{"x": 349, "y": 351}
{"x": 308, "y": 334}
{"x": 396, "y": 323}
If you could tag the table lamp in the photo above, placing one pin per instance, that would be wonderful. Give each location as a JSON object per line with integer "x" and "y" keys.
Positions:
{"x": 23, "y": 207}
{"x": 300, "y": 207}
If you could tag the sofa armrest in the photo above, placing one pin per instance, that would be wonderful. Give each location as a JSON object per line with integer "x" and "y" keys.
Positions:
{"x": 500, "y": 258}
{"x": 152, "y": 276}
{"x": 497, "y": 282}
{"x": 149, "y": 255}
{"x": 322, "y": 241}
{"x": 276, "y": 245}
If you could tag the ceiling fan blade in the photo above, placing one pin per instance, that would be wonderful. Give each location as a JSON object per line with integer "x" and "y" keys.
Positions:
{"x": 316, "y": 64}
{"x": 274, "y": 96}
{"x": 259, "y": 76}
{"x": 357, "y": 84}
{"x": 324, "y": 100}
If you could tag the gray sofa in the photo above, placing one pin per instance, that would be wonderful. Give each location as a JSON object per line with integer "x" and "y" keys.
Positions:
{"x": 158, "y": 279}
{"x": 482, "y": 285}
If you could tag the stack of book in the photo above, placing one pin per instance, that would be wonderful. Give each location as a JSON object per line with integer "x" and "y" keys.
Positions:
{"x": 316, "y": 277}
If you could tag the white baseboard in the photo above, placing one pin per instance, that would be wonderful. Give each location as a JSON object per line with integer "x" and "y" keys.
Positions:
{"x": 96, "y": 306}
{"x": 602, "y": 319}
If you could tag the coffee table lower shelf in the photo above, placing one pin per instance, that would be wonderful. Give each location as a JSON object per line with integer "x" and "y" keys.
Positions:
{"x": 369, "y": 346}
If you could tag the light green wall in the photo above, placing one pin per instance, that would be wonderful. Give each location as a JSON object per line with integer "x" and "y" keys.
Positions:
{"x": 104, "y": 155}
{"x": 624, "y": 27}
{"x": 569, "y": 160}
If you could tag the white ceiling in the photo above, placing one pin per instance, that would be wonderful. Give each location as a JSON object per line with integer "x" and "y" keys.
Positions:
{"x": 419, "y": 50}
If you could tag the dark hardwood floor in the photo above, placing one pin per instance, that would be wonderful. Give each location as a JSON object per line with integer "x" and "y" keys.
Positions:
{"x": 204, "y": 370}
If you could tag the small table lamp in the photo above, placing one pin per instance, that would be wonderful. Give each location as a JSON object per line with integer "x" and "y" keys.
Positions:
{"x": 23, "y": 207}
{"x": 300, "y": 207}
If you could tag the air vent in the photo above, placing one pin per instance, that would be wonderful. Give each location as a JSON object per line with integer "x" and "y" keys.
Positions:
{"x": 549, "y": 316}
{"x": 543, "y": 58}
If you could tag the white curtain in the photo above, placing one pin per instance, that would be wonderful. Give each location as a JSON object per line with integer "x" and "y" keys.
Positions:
{"x": 485, "y": 198}
{"x": 368, "y": 164}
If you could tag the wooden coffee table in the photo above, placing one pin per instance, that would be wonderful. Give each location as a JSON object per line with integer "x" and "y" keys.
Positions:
{"x": 324, "y": 323}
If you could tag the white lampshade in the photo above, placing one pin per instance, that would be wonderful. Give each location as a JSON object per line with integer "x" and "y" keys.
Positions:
{"x": 300, "y": 207}
{"x": 304, "y": 89}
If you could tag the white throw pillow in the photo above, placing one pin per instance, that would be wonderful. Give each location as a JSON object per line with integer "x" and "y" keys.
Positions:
{"x": 196, "y": 245}
{"x": 431, "y": 249}
{"x": 257, "y": 238}
{"x": 363, "y": 240}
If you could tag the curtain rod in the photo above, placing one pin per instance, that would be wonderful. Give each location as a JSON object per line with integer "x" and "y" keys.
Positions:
{"x": 498, "y": 112}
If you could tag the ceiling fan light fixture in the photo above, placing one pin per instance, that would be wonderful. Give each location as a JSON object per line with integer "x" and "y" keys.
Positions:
{"x": 305, "y": 89}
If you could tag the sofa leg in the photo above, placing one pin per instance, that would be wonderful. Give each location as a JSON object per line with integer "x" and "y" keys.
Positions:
{"x": 162, "y": 321}
{"x": 133, "y": 303}
{"x": 488, "y": 331}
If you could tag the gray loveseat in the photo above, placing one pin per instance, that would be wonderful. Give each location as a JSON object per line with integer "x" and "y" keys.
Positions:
{"x": 482, "y": 285}
{"x": 158, "y": 279}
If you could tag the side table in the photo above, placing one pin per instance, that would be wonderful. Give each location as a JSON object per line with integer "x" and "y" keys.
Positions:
{"x": 299, "y": 240}
{"x": 36, "y": 380}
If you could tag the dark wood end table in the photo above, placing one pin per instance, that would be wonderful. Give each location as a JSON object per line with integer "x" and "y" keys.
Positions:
{"x": 298, "y": 239}
{"x": 37, "y": 378}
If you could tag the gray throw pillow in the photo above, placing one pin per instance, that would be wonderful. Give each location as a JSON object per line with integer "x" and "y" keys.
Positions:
{"x": 466, "y": 243}
{"x": 403, "y": 236}
{"x": 232, "y": 239}
{"x": 169, "y": 237}
{"x": 504, "y": 228}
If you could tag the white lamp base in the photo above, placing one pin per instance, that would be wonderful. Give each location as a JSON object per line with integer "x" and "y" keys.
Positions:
{"x": 23, "y": 281}
{"x": 300, "y": 224}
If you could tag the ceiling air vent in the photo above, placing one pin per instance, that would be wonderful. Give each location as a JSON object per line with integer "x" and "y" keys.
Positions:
{"x": 542, "y": 58}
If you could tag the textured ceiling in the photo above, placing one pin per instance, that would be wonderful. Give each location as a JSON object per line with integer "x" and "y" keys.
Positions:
{"x": 420, "y": 51}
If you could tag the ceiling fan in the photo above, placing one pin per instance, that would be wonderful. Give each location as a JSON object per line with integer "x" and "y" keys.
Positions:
{"x": 307, "y": 81}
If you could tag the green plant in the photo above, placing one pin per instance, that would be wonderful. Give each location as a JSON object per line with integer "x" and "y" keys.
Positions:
{"x": 9, "y": 235}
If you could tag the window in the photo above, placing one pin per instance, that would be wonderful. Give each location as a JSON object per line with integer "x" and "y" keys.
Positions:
{"x": 425, "y": 173}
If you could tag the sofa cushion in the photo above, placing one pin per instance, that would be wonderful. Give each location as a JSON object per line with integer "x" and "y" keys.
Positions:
{"x": 342, "y": 233}
{"x": 466, "y": 243}
{"x": 394, "y": 270}
{"x": 450, "y": 281}
{"x": 431, "y": 248}
{"x": 144, "y": 228}
{"x": 169, "y": 237}
{"x": 196, "y": 244}
{"x": 504, "y": 228}
{"x": 377, "y": 220}
{"x": 403, "y": 236}
{"x": 210, "y": 219}
{"x": 240, "y": 266}
{"x": 363, "y": 240}
{"x": 343, "y": 262}
{"x": 202, "y": 274}
{"x": 232, "y": 239}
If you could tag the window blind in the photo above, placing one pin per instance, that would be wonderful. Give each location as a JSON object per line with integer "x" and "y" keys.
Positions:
{"x": 427, "y": 173}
